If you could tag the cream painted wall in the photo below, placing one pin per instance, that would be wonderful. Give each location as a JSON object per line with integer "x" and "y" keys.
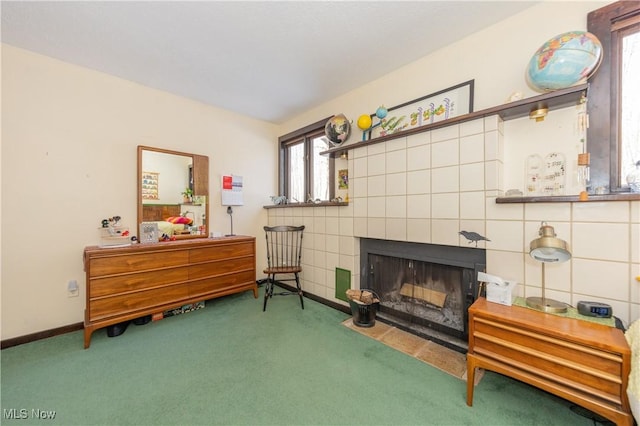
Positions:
{"x": 495, "y": 57}
{"x": 605, "y": 236}
{"x": 69, "y": 139}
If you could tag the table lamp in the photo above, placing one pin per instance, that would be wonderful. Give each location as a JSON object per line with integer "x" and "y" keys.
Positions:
{"x": 548, "y": 248}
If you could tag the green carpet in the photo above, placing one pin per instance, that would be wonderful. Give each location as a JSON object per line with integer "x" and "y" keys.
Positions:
{"x": 233, "y": 364}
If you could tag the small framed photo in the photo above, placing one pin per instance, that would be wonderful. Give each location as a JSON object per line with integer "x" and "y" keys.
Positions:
{"x": 343, "y": 179}
{"x": 148, "y": 233}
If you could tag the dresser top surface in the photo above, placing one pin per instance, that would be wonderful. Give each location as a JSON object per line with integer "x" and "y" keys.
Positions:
{"x": 168, "y": 245}
{"x": 569, "y": 329}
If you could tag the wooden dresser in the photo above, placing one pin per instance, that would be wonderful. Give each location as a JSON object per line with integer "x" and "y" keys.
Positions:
{"x": 143, "y": 279}
{"x": 581, "y": 361}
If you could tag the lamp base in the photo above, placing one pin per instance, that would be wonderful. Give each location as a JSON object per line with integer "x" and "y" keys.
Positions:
{"x": 546, "y": 305}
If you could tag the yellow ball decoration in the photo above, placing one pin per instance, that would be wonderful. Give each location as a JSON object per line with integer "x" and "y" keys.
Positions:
{"x": 364, "y": 122}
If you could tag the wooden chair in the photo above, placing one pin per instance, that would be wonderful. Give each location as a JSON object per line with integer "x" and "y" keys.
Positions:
{"x": 284, "y": 252}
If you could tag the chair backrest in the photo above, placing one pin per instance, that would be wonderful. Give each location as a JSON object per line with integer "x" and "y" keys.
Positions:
{"x": 284, "y": 246}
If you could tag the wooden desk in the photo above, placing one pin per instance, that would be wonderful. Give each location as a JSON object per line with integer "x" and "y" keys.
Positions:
{"x": 580, "y": 361}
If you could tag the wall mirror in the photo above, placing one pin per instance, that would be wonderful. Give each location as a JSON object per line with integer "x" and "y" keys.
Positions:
{"x": 173, "y": 192}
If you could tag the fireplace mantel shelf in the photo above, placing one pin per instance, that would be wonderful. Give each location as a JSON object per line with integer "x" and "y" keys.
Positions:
{"x": 320, "y": 204}
{"x": 552, "y": 100}
{"x": 621, "y": 196}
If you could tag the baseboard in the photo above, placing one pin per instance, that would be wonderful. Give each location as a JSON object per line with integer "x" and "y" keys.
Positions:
{"x": 41, "y": 335}
{"x": 79, "y": 326}
{"x": 331, "y": 304}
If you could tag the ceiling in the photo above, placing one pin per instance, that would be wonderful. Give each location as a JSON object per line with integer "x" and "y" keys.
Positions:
{"x": 270, "y": 60}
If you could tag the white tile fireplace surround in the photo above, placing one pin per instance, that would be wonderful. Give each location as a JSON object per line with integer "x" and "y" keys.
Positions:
{"x": 429, "y": 186}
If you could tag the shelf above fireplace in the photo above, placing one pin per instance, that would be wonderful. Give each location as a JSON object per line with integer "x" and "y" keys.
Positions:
{"x": 553, "y": 100}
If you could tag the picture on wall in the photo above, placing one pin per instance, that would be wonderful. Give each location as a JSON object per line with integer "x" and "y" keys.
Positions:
{"x": 343, "y": 179}
{"x": 435, "y": 107}
{"x": 150, "y": 185}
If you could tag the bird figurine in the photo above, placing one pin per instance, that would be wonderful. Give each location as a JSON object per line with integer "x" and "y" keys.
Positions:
{"x": 473, "y": 237}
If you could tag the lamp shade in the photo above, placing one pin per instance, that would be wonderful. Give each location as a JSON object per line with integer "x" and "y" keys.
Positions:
{"x": 548, "y": 248}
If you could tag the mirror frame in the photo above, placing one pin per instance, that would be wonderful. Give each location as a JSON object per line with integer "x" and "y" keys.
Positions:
{"x": 200, "y": 170}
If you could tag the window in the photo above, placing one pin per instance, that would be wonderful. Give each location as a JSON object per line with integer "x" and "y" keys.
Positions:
{"x": 613, "y": 136}
{"x": 630, "y": 98}
{"x": 304, "y": 173}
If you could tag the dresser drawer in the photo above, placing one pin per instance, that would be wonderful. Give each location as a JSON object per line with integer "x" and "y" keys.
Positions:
{"x": 137, "y": 262}
{"x": 211, "y": 269}
{"x": 540, "y": 357}
{"x": 115, "y": 284}
{"x": 221, "y": 283}
{"x": 130, "y": 302}
{"x": 226, "y": 251}
{"x": 503, "y": 336}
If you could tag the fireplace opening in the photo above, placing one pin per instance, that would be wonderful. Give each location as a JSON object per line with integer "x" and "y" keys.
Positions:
{"x": 425, "y": 289}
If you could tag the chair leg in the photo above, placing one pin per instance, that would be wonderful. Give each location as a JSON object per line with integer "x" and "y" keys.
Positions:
{"x": 268, "y": 291}
{"x": 299, "y": 290}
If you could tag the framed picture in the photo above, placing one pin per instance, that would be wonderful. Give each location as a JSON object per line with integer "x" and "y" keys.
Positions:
{"x": 439, "y": 106}
{"x": 343, "y": 179}
{"x": 149, "y": 233}
{"x": 150, "y": 185}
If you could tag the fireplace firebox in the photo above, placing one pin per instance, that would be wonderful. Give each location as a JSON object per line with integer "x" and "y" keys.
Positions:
{"x": 425, "y": 289}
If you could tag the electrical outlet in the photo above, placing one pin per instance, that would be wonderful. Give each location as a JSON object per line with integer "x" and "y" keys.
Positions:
{"x": 72, "y": 288}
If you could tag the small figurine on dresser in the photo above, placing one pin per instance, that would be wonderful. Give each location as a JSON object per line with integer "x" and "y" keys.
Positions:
{"x": 112, "y": 234}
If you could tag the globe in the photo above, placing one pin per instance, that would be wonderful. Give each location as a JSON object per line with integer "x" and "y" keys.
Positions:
{"x": 337, "y": 129}
{"x": 564, "y": 61}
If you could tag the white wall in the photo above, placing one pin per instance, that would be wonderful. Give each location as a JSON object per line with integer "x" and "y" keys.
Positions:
{"x": 69, "y": 139}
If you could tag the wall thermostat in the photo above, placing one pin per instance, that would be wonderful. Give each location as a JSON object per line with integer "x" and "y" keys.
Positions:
{"x": 595, "y": 309}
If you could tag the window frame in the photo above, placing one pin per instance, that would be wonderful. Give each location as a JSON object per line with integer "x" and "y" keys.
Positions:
{"x": 603, "y": 96}
{"x": 305, "y": 134}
